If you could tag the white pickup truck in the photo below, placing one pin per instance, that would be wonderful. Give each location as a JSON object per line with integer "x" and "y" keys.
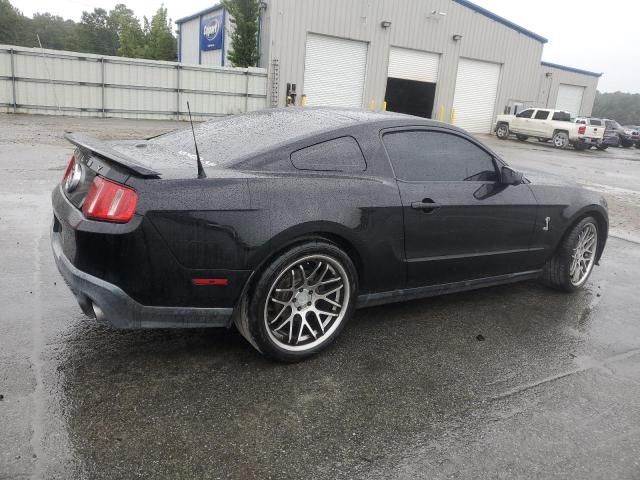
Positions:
{"x": 546, "y": 124}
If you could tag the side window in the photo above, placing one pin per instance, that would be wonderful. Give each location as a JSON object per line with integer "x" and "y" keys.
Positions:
{"x": 525, "y": 113}
{"x": 438, "y": 157}
{"x": 338, "y": 155}
{"x": 542, "y": 114}
{"x": 562, "y": 116}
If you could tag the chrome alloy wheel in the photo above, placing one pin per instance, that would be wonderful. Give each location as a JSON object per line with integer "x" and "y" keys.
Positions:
{"x": 307, "y": 302}
{"x": 560, "y": 140}
{"x": 584, "y": 255}
{"x": 502, "y": 131}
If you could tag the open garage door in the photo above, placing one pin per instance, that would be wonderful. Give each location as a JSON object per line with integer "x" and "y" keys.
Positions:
{"x": 334, "y": 71}
{"x": 411, "y": 82}
{"x": 475, "y": 97}
{"x": 570, "y": 98}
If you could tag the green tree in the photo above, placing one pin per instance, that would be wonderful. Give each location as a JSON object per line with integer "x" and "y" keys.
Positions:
{"x": 97, "y": 33}
{"x": 244, "y": 39}
{"x": 54, "y": 32}
{"x": 14, "y": 27}
{"x": 623, "y": 107}
{"x": 117, "y": 32}
{"x": 129, "y": 31}
{"x": 159, "y": 42}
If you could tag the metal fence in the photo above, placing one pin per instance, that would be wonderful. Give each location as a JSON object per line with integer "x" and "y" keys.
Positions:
{"x": 56, "y": 82}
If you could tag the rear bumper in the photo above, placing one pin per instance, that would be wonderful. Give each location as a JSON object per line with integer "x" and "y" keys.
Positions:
{"x": 121, "y": 311}
{"x": 612, "y": 140}
{"x": 588, "y": 141}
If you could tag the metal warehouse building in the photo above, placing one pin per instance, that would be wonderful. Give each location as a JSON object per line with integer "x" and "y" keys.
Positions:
{"x": 446, "y": 59}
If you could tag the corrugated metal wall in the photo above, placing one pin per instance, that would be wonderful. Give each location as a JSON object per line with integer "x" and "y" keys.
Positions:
{"x": 412, "y": 26}
{"x": 56, "y": 82}
{"x": 190, "y": 41}
{"x": 548, "y": 92}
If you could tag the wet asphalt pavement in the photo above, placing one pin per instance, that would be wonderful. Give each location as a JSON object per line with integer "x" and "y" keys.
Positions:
{"x": 508, "y": 382}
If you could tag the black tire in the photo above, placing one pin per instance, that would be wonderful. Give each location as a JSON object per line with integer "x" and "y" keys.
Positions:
{"x": 253, "y": 324}
{"x": 502, "y": 131}
{"x": 556, "y": 271}
{"x": 522, "y": 138}
{"x": 602, "y": 148}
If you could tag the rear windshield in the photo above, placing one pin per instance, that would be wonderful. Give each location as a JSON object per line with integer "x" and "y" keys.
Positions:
{"x": 225, "y": 141}
{"x": 562, "y": 116}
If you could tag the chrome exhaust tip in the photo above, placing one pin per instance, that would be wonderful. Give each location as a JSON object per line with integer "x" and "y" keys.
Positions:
{"x": 99, "y": 313}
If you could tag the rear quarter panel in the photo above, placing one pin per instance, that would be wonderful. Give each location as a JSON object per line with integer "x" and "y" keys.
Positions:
{"x": 241, "y": 223}
{"x": 362, "y": 213}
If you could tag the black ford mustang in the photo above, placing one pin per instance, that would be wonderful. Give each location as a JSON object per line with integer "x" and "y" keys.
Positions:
{"x": 299, "y": 216}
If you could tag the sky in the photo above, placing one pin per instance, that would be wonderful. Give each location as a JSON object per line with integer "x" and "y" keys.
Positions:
{"x": 594, "y": 35}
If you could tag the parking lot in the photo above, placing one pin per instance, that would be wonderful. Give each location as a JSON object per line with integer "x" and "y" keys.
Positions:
{"x": 508, "y": 382}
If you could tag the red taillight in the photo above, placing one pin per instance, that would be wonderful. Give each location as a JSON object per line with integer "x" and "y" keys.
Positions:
{"x": 67, "y": 172}
{"x": 582, "y": 129}
{"x": 109, "y": 201}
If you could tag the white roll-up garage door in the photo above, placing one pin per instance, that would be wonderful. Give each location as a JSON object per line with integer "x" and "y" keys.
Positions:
{"x": 413, "y": 65}
{"x": 569, "y": 98}
{"x": 334, "y": 71}
{"x": 475, "y": 97}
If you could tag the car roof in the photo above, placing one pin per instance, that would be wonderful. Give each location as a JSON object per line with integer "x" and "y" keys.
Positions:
{"x": 233, "y": 137}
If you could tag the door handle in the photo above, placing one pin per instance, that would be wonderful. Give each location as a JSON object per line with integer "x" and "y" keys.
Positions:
{"x": 427, "y": 205}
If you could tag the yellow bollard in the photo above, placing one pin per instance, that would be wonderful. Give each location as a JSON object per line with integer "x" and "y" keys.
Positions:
{"x": 372, "y": 105}
{"x": 303, "y": 100}
{"x": 384, "y": 106}
{"x": 441, "y": 114}
{"x": 452, "y": 117}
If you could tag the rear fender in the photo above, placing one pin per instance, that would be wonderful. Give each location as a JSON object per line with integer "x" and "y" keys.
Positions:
{"x": 310, "y": 231}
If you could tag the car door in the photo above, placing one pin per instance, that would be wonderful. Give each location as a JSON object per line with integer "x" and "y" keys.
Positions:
{"x": 460, "y": 222}
{"x": 540, "y": 126}
{"x": 521, "y": 122}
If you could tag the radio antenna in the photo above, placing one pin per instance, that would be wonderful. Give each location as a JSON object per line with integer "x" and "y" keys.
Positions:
{"x": 201, "y": 173}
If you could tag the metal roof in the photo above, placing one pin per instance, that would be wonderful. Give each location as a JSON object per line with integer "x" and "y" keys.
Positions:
{"x": 201, "y": 12}
{"x": 502, "y": 20}
{"x": 465, "y": 3}
{"x": 570, "y": 69}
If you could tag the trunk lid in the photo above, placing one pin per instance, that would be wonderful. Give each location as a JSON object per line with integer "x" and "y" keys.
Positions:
{"x": 141, "y": 158}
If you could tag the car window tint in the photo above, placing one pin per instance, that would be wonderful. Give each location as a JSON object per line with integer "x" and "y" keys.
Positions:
{"x": 339, "y": 155}
{"x": 542, "y": 114}
{"x": 435, "y": 157}
{"x": 561, "y": 116}
{"x": 525, "y": 114}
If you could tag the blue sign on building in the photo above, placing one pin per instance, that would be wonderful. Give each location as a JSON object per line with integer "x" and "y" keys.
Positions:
{"x": 212, "y": 32}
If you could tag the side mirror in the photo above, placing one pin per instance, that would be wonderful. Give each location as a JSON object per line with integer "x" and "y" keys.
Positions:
{"x": 510, "y": 177}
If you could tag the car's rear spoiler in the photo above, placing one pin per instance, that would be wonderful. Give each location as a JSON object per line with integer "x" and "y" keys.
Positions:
{"x": 101, "y": 149}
